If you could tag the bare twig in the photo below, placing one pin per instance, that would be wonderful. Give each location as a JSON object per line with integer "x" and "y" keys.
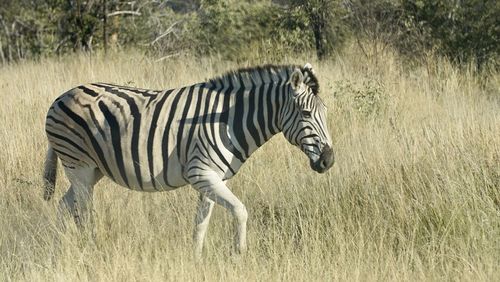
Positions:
{"x": 168, "y": 56}
{"x": 2, "y": 55}
{"x": 118, "y": 13}
{"x": 169, "y": 30}
{"x": 60, "y": 44}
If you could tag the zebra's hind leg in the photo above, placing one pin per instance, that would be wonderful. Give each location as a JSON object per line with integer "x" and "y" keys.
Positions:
{"x": 78, "y": 200}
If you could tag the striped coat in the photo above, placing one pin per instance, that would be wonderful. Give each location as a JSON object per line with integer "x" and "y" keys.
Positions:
{"x": 200, "y": 134}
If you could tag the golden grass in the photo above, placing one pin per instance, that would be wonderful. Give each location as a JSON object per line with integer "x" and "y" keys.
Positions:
{"x": 414, "y": 193}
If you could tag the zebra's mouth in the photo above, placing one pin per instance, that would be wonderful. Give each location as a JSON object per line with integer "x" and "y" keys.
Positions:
{"x": 324, "y": 162}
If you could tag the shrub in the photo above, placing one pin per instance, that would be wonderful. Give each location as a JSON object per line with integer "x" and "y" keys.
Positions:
{"x": 463, "y": 31}
{"x": 366, "y": 99}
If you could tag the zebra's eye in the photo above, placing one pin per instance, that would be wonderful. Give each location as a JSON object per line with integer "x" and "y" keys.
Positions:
{"x": 306, "y": 114}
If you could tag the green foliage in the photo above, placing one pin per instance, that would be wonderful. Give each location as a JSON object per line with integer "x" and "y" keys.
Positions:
{"x": 238, "y": 30}
{"x": 460, "y": 30}
{"x": 375, "y": 25}
{"x": 79, "y": 21}
{"x": 292, "y": 29}
{"x": 366, "y": 99}
{"x": 24, "y": 32}
{"x": 326, "y": 21}
{"x": 249, "y": 29}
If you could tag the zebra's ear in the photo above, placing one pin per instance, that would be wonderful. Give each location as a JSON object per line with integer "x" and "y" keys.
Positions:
{"x": 309, "y": 67}
{"x": 296, "y": 79}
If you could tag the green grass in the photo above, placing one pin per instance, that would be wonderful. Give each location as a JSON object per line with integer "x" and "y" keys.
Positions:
{"x": 414, "y": 193}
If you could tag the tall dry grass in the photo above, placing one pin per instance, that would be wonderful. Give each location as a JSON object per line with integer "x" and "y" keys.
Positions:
{"x": 414, "y": 193}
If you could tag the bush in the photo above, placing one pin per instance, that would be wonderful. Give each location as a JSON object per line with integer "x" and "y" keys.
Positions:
{"x": 366, "y": 99}
{"x": 242, "y": 30}
{"x": 463, "y": 31}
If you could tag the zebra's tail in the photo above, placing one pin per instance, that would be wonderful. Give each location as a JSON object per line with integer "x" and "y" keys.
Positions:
{"x": 50, "y": 174}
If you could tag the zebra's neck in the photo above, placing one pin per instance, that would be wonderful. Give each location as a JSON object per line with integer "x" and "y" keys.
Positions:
{"x": 253, "y": 113}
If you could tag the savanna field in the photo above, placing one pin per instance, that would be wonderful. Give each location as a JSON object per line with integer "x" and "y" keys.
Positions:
{"x": 414, "y": 193}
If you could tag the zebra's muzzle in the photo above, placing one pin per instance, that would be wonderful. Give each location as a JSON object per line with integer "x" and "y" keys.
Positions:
{"x": 325, "y": 160}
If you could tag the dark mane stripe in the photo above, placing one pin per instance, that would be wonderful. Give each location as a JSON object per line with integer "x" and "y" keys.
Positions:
{"x": 235, "y": 75}
{"x": 311, "y": 80}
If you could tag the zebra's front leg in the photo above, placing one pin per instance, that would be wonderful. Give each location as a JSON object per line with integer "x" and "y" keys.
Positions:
{"x": 203, "y": 213}
{"x": 211, "y": 186}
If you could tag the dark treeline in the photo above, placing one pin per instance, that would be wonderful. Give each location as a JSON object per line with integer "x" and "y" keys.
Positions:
{"x": 461, "y": 30}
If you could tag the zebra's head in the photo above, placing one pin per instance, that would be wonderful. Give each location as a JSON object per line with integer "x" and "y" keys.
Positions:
{"x": 304, "y": 122}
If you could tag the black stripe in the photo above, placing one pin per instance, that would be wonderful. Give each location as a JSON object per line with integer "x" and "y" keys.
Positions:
{"x": 88, "y": 91}
{"x": 294, "y": 128}
{"x": 92, "y": 116}
{"x": 71, "y": 153}
{"x": 260, "y": 115}
{"x": 96, "y": 123}
{"x": 59, "y": 152}
{"x": 197, "y": 158}
{"x": 208, "y": 121}
{"x": 273, "y": 98}
{"x": 224, "y": 123}
{"x": 120, "y": 108}
{"x": 66, "y": 140}
{"x": 272, "y": 110}
{"x": 280, "y": 97}
{"x": 194, "y": 123}
{"x": 143, "y": 92}
{"x": 81, "y": 122}
{"x": 65, "y": 126}
{"x": 146, "y": 93}
{"x": 239, "y": 121}
{"x": 282, "y": 105}
{"x": 182, "y": 123}
{"x": 164, "y": 142}
{"x": 222, "y": 129}
{"x": 197, "y": 151}
{"x": 136, "y": 128}
{"x": 114, "y": 128}
{"x": 252, "y": 111}
{"x": 152, "y": 131}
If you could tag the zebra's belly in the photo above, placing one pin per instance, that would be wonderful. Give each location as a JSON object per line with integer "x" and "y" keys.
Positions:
{"x": 149, "y": 187}
{"x": 154, "y": 185}
{"x": 159, "y": 184}
{"x": 143, "y": 180}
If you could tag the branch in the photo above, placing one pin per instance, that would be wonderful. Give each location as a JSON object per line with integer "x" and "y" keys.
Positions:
{"x": 168, "y": 56}
{"x": 169, "y": 30}
{"x": 60, "y": 44}
{"x": 117, "y": 13}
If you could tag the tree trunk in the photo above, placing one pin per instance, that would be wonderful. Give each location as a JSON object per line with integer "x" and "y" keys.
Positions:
{"x": 318, "y": 26}
{"x": 318, "y": 16}
{"x": 104, "y": 25}
{"x": 2, "y": 55}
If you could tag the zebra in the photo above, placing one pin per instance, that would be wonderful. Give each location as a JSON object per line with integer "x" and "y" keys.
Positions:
{"x": 201, "y": 135}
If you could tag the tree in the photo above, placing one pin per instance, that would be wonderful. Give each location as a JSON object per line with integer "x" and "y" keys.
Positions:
{"x": 460, "y": 30}
{"x": 326, "y": 20}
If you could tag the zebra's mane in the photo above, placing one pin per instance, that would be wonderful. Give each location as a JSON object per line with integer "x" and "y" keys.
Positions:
{"x": 265, "y": 74}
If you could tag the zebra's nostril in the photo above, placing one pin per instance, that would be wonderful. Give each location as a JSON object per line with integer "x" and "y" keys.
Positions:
{"x": 327, "y": 158}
